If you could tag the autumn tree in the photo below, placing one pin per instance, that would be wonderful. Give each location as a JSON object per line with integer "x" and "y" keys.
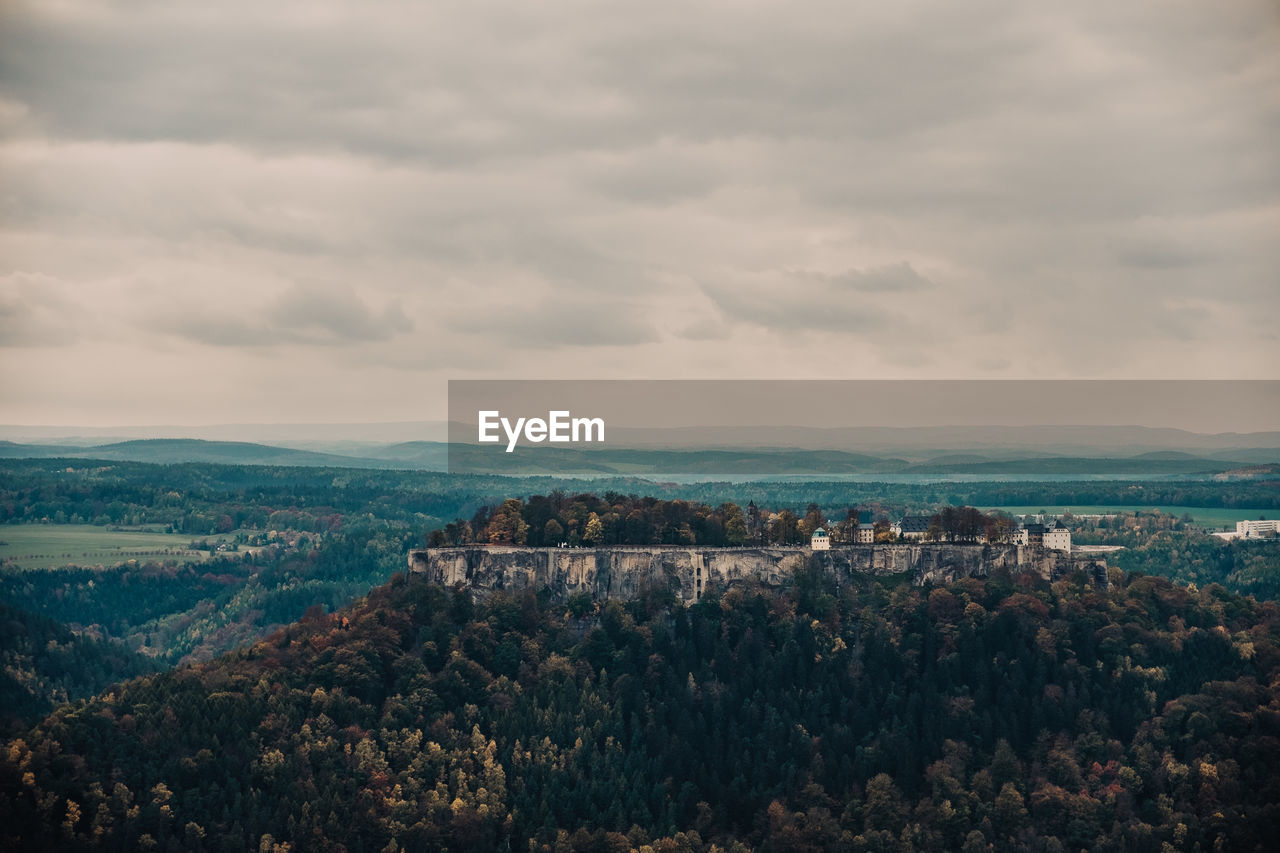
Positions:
{"x": 593, "y": 532}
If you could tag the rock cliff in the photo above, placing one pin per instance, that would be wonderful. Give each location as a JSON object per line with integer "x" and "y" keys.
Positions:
{"x": 619, "y": 572}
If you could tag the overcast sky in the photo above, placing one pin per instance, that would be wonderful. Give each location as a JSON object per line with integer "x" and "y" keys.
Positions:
{"x": 320, "y": 211}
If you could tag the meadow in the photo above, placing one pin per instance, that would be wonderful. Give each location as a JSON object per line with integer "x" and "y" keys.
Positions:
{"x": 48, "y": 546}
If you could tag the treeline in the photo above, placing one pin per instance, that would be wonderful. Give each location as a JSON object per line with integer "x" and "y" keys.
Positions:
{"x": 42, "y": 665}
{"x": 615, "y": 519}
{"x": 192, "y": 611}
{"x": 1248, "y": 567}
{"x": 968, "y": 524}
{"x": 1130, "y": 529}
{"x": 999, "y": 714}
{"x": 908, "y": 497}
{"x": 199, "y": 498}
{"x": 586, "y": 519}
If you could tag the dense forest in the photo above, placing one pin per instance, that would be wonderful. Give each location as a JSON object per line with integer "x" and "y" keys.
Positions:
{"x": 43, "y": 664}
{"x": 192, "y": 611}
{"x": 615, "y": 519}
{"x": 561, "y": 518}
{"x": 1004, "y": 712}
{"x": 201, "y": 498}
{"x": 1249, "y": 567}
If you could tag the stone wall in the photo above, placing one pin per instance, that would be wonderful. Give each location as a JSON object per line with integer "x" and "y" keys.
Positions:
{"x": 619, "y": 572}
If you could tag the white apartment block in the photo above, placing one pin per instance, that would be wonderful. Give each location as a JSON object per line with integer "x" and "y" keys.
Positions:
{"x": 1261, "y": 527}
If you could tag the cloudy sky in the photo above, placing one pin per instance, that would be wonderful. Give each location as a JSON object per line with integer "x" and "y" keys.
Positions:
{"x": 320, "y": 211}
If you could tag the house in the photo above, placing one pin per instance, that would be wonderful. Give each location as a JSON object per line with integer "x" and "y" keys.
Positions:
{"x": 912, "y": 527}
{"x": 1031, "y": 534}
{"x": 820, "y": 541}
{"x": 865, "y": 534}
{"x": 1057, "y": 537}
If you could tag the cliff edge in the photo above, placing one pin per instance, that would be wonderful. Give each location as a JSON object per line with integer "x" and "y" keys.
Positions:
{"x": 621, "y": 571}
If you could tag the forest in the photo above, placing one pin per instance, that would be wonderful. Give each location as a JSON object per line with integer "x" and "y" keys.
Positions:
{"x": 1003, "y": 713}
{"x": 201, "y": 498}
{"x": 257, "y": 699}
{"x": 335, "y": 545}
{"x": 44, "y": 664}
{"x": 585, "y": 519}
{"x": 175, "y": 611}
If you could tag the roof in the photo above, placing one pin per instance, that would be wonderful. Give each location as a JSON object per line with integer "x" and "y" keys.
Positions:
{"x": 819, "y": 532}
{"x": 915, "y": 523}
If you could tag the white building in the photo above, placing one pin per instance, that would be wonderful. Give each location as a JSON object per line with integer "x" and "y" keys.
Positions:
{"x": 1261, "y": 527}
{"x": 820, "y": 541}
{"x": 1055, "y": 537}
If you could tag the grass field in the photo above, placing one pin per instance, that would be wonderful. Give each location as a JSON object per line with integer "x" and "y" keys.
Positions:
{"x": 47, "y": 546}
{"x": 1209, "y": 517}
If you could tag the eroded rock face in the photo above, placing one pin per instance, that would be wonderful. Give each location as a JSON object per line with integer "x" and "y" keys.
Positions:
{"x": 622, "y": 571}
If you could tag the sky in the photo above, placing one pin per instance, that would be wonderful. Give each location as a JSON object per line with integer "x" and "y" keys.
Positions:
{"x": 321, "y": 211}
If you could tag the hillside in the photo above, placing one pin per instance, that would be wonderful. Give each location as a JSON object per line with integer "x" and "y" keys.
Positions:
{"x": 171, "y": 450}
{"x": 1252, "y": 472}
{"x": 43, "y": 665}
{"x": 701, "y": 462}
{"x": 1145, "y": 464}
{"x": 1004, "y": 712}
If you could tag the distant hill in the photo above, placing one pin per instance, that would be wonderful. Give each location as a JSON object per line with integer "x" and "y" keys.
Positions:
{"x": 1147, "y": 464}
{"x": 917, "y": 444}
{"x": 173, "y": 450}
{"x": 430, "y": 455}
{"x": 920, "y": 443}
{"x": 642, "y": 461}
{"x": 177, "y": 450}
{"x": 777, "y": 462}
{"x": 13, "y": 450}
{"x": 271, "y": 434}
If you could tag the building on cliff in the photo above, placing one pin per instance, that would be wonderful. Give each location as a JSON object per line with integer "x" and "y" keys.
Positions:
{"x": 1055, "y": 537}
{"x": 624, "y": 571}
{"x": 912, "y": 527}
{"x": 820, "y": 541}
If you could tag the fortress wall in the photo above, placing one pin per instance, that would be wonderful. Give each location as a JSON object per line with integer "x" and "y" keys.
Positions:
{"x": 620, "y": 572}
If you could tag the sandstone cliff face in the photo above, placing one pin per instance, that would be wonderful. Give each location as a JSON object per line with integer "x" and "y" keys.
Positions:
{"x": 621, "y": 572}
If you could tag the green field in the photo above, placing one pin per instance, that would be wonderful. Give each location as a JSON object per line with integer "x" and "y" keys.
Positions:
{"x": 47, "y": 546}
{"x": 1209, "y": 517}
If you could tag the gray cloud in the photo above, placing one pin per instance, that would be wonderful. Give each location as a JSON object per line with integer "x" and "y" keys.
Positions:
{"x": 900, "y": 278}
{"x": 16, "y": 325}
{"x": 560, "y": 323}
{"x": 918, "y": 188}
{"x": 34, "y": 313}
{"x": 318, "y": 315}
{"x": 792, "y": 302}
{"x": 336, "y": 314}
